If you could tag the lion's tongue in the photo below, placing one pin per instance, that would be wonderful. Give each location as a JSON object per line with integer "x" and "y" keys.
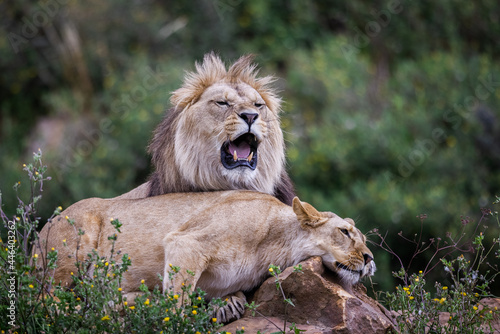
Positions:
{"x": 242, "y": 149}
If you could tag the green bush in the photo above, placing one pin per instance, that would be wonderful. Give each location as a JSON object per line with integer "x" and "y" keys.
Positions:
{"x": 456, "y": 308}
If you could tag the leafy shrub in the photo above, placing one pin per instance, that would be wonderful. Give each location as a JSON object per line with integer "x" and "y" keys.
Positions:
{"x": 455, "y": 308}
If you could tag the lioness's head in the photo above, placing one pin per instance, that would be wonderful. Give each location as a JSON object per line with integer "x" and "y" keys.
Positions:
{"x": 343, "y": 246}
{"x": 223, "y": 132}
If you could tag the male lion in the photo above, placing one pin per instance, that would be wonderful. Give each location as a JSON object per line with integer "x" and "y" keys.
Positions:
{"x": 223, "y": 133}
{"x": 228, "y": 239}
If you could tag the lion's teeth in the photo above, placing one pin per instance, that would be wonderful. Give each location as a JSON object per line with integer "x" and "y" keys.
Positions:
{"x": 250, "y": 157}
{"x": 235, "y": 155}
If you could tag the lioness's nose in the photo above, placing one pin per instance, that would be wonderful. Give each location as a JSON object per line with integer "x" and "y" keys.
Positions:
{"x": 367, "y": 258}
{"x": 248, "y": 117}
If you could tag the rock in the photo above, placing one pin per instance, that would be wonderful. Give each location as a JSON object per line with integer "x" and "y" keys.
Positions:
{"x": 322, "y": 305}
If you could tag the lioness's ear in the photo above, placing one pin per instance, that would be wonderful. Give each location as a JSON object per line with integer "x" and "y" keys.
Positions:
{"x": 307, "y": 215}
{"x": 350, "y": 221}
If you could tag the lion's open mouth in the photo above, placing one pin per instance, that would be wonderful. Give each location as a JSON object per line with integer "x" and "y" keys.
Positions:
{"x": 241, "y": 152}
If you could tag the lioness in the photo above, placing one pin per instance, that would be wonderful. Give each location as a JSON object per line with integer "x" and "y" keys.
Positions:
{"x": 223, "y": 133}
{"x": 228, "y": 239}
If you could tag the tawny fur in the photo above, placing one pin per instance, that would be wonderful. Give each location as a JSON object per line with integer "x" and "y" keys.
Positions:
{"x": 186, "y": 145}
{"x": 227, "y": 238}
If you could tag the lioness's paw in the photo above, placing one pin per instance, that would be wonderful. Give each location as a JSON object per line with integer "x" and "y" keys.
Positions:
{"x": 234, "y": 308}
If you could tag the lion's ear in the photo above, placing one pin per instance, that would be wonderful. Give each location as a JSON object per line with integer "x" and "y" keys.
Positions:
{"x": 307, "y": 215}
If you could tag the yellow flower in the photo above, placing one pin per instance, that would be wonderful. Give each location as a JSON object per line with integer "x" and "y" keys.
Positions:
{"x": 31, "y": 286}
{"x": 119, "y": 289}
{"x": 271, "y": 270}
{"x": 59, "y": 208}
{"x": 146, "y": 302}
{"x": 132, "y": 307}
{"x": 106, "y": 264}
{"x": 411, "y": 297}
{"x": 197, "y": 333}
{"x": 166, "y": 319}
{"x": 106, "y": 317}
{"x": 420, "y": 272}
{"x": 406, "y": 288}
{"x": 78, "y": 299}
{"x": 125, "y": 303}
{"x": 35, "y": 255}
{"x": 214, "y": 319}
{"x": 416, "y": 279}
{"x": 442, "y": 300}
{"x": 194, "y": 312}
{"x": 242, "y": 327}
{"x": 142, "y": 281}
{"x": 71, "y": 273}
{"x": 476, "y": 294}
{"x": 176, "y": 296}
{"x": 464, "y": 294}
{"x": 445, "y": 288}
{"x": 166, "y": 310}
{"x": 91, "y": 285}
{"x": 64, "y": 240}
{"x": 199, "y": 298}
{"x": 66, "y": 217}
{"x": 475, "y": 308}
{"x": 53, "y": 249}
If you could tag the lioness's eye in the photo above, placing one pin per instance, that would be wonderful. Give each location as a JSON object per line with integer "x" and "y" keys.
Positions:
{"x": 259, "y": 105}
{"x": 346, "y": 232}
{"x": 222, "y": 103}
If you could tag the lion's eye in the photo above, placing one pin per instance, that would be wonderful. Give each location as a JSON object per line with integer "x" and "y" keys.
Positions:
{"x": 259, "y": 105}
{"x": 345, "y": 231}
{"x": 222, "y": 103}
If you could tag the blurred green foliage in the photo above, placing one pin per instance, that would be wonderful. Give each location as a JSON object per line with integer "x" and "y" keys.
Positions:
{"x": 391, "y": 107}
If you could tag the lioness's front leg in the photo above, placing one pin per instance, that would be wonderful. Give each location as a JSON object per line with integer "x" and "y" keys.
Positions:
{"x": 182, "y": 252}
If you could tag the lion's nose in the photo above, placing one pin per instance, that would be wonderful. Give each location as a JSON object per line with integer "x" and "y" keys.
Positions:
{"x": 248, "y": 117}
{"x": 367, "y": 258}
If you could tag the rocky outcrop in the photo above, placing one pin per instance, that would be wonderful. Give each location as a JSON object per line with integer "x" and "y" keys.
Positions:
{"x": 322, "y": 305}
